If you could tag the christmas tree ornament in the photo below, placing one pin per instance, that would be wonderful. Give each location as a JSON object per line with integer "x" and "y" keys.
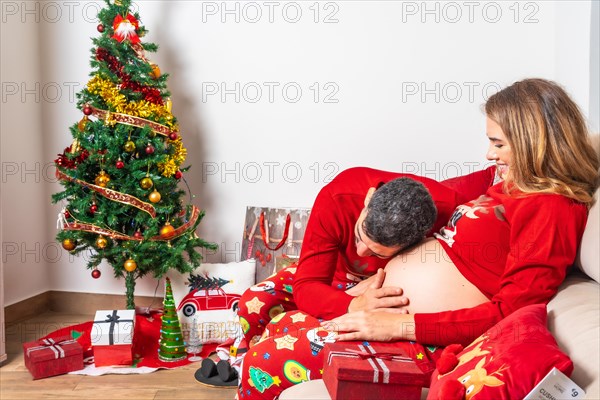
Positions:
{"x": 96, "y": 273}
{"x": 100, "y": 28}
{"x": 149, "y": 149}
{"x": 130, "y": 265}
{"x": 167, "y": 230}
{"x": 67, "y": 214}
{"x": 178, "y": 174}
{"x": 101, "y": 242}
{"x": 125, "y": 28}
{"x": 119, "y": 164}
{"x": 173, "y": 135}
{"x": 82, "y": 123}
{"x": 146, "y": 183}
{"x": 168, "y": 104}
{"x": 154, "y": 197}
{"x": 102, "y": 179}
{"x": 152, "y": 134}
{"x": 155, "y": 71}
{"x": 69, "y": 244}
{"x": 93, "y": 208}
{"x": 138, "y": 235}
{"x": 129, "y": 146}
{"x": 87, "y": 110}
{"x": 172, "y": 346}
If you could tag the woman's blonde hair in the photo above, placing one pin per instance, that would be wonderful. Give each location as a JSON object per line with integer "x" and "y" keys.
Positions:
{"x": 550, "y": 144}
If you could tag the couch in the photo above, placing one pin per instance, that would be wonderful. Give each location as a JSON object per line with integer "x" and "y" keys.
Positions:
{"x": 573, "y": 317}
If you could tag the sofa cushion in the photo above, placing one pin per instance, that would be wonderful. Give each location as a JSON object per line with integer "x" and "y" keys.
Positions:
{"x": 574, "y": 320}
{"x": 507, "y": 361}
{"x": 588, "y": 259}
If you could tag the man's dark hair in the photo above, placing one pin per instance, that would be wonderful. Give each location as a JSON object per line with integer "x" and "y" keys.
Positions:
{"x": 400, "y": 213}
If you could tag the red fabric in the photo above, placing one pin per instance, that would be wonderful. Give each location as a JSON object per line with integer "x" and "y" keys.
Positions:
{"x": 119, "y": 354}
{"x": 328, "y": 261}
{"x": 507, "y": 361}
{"x": 145, "y": 342}
{"x": 516, "y": 250}
{"x": 44, "y": 359}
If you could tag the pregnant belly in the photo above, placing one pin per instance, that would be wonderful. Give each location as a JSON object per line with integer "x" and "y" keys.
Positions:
{"x": 430, "y": 280}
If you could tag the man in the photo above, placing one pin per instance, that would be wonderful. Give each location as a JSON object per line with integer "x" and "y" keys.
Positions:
{"x": 358, "y": 222}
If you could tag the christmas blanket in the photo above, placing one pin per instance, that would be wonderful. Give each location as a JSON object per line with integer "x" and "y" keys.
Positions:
{"x": 145, "y": 347}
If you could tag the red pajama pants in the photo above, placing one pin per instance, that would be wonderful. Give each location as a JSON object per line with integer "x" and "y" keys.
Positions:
{"x": 290, "y": 351}
{"x": 291, "y": 342}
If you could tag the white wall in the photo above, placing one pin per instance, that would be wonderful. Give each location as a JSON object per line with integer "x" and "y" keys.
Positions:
{"x": 408, "y": 91}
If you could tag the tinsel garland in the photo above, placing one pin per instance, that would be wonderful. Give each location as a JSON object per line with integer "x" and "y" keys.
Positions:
{"x": 111, "y": 118}
{"x": 111, "y": 194}
{"x": 85, "y": 227}
{"x": 151, "y": 95}
{"x": 171, "y": 166}
{"x": 117, "y": 102}
{"x": 71, "y": 163}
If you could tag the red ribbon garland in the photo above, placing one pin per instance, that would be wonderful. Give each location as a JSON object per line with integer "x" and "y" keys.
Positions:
{"x": 263, "y": 232}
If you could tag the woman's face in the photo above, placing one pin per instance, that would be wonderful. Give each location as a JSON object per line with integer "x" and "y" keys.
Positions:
{"x": 499, "y": 149}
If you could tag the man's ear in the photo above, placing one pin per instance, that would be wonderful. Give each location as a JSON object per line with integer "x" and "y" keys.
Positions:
{"x": 369, "y": 195}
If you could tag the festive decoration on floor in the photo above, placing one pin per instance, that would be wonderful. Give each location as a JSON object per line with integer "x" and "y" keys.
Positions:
{"x": 194, "y": 344}
{"x": 121, "y": 173}
{"x": 172, "y": 346}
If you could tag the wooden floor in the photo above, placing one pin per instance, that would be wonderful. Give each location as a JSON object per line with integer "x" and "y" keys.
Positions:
{"x": 16, "y": 382}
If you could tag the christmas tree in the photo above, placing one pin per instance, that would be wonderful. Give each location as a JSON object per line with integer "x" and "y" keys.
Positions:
{"x": 121, "y": 172}
{"x": 206, "y": 282}
{"x": 172, "y": 346}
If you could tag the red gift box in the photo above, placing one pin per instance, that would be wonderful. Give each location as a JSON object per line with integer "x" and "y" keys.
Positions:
{"x": 50, "y": 357}
{"x": 360, "y": 370}
{"x": 112, "y": 337}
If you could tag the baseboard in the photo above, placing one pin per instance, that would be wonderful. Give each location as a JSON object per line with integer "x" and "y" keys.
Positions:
{"x": 72, "y": 303}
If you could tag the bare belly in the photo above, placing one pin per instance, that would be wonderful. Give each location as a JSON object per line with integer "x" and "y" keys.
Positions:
{"x": 430, "y": 280}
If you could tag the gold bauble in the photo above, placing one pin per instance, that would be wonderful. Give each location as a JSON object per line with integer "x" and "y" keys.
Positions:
{"x": 101, "y": 242}
{"x": 168, "y": 104}
{"x": 129, "y": 146}
{"x": 102, "y": 179}
{"x": 69, "y": 244}
{"x": 167, "y": 230}
{"x": 154, "y": 197}
{"x": 146, "y": 183}
{"x": 130, "y": 265}
{"x": 155, "y": 71}
{"x": 81, "y": 125}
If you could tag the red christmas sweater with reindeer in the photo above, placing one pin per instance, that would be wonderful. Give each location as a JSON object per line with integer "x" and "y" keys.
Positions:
{"x": 516, "y": 249}
{"x": 328, "y": 261}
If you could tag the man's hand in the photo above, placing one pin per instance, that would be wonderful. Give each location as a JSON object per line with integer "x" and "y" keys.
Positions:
{"x": 381, "y": 325}
{"x": 371, "y": 295}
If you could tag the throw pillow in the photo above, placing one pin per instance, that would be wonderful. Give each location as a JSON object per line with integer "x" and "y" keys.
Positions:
{"x": 506, "y": 362}
{"x": 207, "y": 299}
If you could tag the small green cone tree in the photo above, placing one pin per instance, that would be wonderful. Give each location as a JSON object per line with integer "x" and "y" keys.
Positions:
{"x": 171, "y": 344}
{"x": 121, "y": 172}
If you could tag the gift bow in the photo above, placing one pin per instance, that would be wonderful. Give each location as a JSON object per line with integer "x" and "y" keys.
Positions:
{"x": 363, "y": 355}
{"x": 56, "y": 347}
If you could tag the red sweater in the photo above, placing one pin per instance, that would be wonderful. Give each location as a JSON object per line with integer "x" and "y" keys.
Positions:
{"x": 328, "y": 261}
{"x": 516, "y": 250}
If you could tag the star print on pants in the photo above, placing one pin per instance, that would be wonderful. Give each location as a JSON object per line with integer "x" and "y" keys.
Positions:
{"x": 286, "y": 342}
{"x": 254, "y": 306}
{"x": 298, "y": 318}
{"x": 420, "y": 356}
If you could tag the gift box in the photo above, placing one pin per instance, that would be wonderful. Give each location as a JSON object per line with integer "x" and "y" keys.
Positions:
{"x": 50, "y": 357}
{"x": 112, "y": 337}
{"x": 360, "y": 370}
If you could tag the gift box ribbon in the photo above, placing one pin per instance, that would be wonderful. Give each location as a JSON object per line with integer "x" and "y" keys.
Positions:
{"x": 55, "y": 347}
{"x": 113, "y": 319}
{"x": 374, "y": 358}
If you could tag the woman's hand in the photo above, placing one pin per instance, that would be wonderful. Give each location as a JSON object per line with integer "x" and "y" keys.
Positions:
{"x": 370, "y": 295}
{"x": 382, "y": 325}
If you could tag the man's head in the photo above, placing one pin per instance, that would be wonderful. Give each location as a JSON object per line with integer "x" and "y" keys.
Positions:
{"x": 396, "y": 216}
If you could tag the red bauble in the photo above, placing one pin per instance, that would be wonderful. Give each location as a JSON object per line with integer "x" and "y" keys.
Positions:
{"x": 87, "y": 110}
{"x": 93, "y": 208}
{"x": 149, "y": 149}
{"x": 269, "y": 257}
{"x": 100, "y": 28}
{"x": 173, "y": 136}
{"x": 119, "y": 164}
{"x": 138, "y": 235}
{"x": 178, "y": 175}
{"x": 67, "y": 214}
{"x": 96, "y": 274}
